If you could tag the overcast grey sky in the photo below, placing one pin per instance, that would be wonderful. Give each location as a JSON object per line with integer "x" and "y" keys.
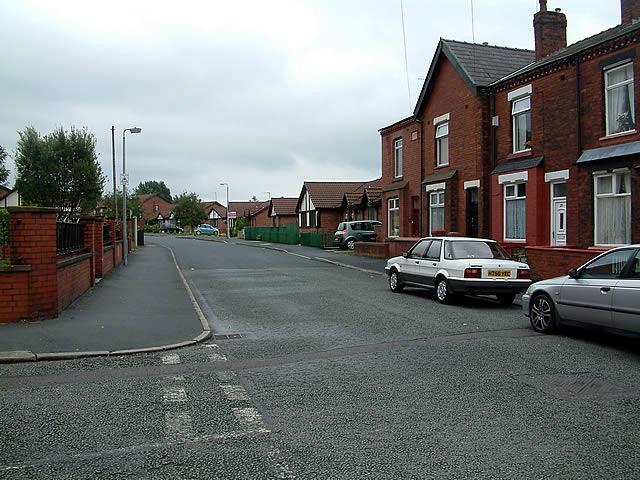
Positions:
{"x": 260, "y": 94}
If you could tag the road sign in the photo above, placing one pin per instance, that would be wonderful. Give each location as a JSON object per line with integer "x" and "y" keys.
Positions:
{"x": 232, "y": 215}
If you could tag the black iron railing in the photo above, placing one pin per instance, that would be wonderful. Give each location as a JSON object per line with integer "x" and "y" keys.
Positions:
{"x": 69, "y": 237}
{"x": 106, "y": 237}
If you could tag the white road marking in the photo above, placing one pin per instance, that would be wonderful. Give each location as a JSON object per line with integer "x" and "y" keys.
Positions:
{"x": 249, "y": 418}
{"x": 214, "y": 353}
{"x": 226, "y": 375}
{"x": 234, "y": 392}
{"x": 283, "y": 470}
{"x": 171, "y": 359}
{"x": 174, "y": 394}
{"x": 178, "y": 426}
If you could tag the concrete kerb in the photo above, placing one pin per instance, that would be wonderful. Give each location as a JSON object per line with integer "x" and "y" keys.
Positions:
{"x": 21, "y": 356}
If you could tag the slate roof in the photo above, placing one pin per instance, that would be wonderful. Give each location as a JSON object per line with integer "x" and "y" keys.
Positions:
{"x": 284, "y": 205}
{"x": 478, "y": 64}
{"x": 574, "y": 49}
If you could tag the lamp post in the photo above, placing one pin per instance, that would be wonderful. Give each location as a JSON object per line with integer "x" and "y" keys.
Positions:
{"x": 228, "y": 229}
{"x": 125, "y": 237}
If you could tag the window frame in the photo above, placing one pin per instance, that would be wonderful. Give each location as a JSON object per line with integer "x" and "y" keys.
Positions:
{"x": 514, "y": 197}
{"x": 614, "y": 184}
{"x": 608, "y": 87}
{"x": 396, "y": 208}
{"x": 514, "y": 124}
{"x": 439, "y": 137}
{"x": 438, "y": 204}
{"x": 398, "y": 158}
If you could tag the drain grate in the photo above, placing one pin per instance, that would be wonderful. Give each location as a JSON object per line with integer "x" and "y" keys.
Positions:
{"x": 230, "y": 336}
{"x": 579, "y": 386}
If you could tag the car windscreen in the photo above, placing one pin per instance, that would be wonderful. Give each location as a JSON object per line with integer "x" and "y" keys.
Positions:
{"x": 461, "y": 249}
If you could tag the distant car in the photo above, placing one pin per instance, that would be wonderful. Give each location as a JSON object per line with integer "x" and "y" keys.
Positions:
{"x": 170, "y": 229}
{"x": 348, "y": 233}
{"x": 206, "y": 229}
{"x": 604, "y": 292}
{"x": 458, "y": 265}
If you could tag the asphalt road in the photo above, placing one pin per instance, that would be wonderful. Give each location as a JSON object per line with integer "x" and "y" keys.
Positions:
{"x": 320, "y": 372}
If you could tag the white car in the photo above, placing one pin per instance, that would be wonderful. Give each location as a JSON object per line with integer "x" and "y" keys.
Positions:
{"x": 458, "y": 265}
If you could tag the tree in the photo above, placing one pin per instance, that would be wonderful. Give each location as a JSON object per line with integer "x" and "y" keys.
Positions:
{"x": 59, "y": 170}
{"x": 189, "y": 210}
{"x": 133, "y": 203}
{"x": 4, "y": 172}
{"x": 153, "y": 186}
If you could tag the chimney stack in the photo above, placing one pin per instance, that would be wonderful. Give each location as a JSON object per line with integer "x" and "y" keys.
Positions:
{"x": 630, "y": 10}
{"x": 551, "y": 29}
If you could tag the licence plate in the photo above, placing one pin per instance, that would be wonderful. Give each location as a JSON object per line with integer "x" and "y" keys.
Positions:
{"x": 499, "y": 273}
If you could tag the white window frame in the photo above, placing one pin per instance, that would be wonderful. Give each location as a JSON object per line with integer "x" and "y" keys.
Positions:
{"x": 438, "y": 194}
{"x": 442, "y": 131}
{"x": 514, "y": 124}
{"x": 398, "y": 157}
{"x": 504, "y": 210}
{"x": 395, "y": 201}
{"x": 608, "y": 87}
{"x": 614, "y": 187}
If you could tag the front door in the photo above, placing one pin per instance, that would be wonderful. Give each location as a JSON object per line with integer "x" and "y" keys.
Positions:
{"x": 559, "y": 227}
{"x": 472, "y": 212}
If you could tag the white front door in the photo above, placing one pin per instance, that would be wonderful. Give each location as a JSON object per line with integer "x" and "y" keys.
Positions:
{"x": 559, "y": 223}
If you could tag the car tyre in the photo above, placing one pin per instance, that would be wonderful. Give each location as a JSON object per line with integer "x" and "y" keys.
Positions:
{"x": 351, "y": 244}
{"x": 443, "y": 292}
{"x": 395, "y": 285}
{"x": 542, "y": 313}
{"x": 506, "y": 299}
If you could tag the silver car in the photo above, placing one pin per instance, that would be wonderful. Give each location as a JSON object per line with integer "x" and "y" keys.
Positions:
{"x": 604, "y": 292}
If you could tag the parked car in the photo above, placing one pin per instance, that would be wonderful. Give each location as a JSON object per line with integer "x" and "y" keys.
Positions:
{"x": 604, "y": 292}
{"x": 348, "y": 233}
{"x": 206, "y": 229}
{"x": 456, "y": 265}
{"x": 170, "y": 229}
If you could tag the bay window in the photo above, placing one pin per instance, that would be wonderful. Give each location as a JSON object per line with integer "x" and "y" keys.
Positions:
{"x": 612, "y": 208}
{"x": 515, "y": 212}
{"x": 619, "y": 99}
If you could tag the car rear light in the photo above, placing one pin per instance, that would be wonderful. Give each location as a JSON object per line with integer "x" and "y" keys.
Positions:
{"x": 524, "y": 273}
{"x": 472, "y": 273}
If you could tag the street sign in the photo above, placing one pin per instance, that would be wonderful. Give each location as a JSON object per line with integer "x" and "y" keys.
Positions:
{"x": 232, "y": 215}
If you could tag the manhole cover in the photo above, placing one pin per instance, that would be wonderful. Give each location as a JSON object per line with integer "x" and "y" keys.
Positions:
{"x": 580, "y": 386}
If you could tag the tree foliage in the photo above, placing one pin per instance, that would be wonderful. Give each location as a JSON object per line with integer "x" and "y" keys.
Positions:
{"x": 59, "y": 170}
{"x": 133, "y": 203}
{"x": 153, "y": 186}
{"x": 4, "y": 172}
{"x": 189, "y": 210}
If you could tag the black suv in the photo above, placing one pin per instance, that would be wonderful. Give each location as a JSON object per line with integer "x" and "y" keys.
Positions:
{"x": 348, "y": 233}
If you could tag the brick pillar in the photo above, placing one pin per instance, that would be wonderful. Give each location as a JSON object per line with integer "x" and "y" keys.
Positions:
{"x": 90, "y": 234}
{"x": 32, "y": 241}
{"x": 99, "y": 245}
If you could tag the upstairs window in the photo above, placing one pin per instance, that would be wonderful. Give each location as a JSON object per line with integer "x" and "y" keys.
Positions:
{"x": 619, "y": 99}
{"x": 521, "y": 120}
{"x": 515, "y": 212}
{"x": 397, "y": 158}
{"x": 442, "y": 145}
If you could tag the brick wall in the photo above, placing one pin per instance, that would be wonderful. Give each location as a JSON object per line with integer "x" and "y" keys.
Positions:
{"x": 74, "y": 278}
{"x": 550, "y": 262}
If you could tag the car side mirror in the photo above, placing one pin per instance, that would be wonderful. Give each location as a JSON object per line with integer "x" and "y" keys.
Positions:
{"x": 405, "y": 254}
{"x": 573, "y": 273}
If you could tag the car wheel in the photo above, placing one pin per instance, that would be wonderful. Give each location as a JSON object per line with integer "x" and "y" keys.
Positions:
{"x": 506, "y": 298}
{"x": 394, "y": 282}
{"x": 443, "y": 293}
{"x": 351, "y": 244}
{"x": 542, "y": 313}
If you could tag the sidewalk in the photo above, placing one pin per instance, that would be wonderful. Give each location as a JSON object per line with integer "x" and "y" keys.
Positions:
{"x": 142, "y": 305}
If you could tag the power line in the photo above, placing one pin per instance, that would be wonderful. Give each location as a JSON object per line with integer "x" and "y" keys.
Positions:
{"x": 406, "y": 62}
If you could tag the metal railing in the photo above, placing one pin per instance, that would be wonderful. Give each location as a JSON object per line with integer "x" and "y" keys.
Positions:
{"x": 69, "y": 237}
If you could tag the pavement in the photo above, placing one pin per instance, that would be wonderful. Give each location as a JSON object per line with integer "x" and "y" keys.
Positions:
{"x": 320, "y": 372}
{"x": 143, "y": 305}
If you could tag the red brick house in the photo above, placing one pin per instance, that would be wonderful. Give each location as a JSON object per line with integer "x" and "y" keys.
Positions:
{"x": 320, "y": 205}
{"x": 566, "y": 170}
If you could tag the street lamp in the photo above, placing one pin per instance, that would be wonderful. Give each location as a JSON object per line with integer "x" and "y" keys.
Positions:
{"x": 124, "y": 194}
{"x": 228, "y": 229}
